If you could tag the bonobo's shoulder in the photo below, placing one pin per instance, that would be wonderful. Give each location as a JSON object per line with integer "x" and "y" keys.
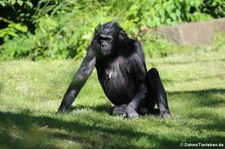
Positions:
{"x": 138, "y": 49}
{"x": 136, "y": 43}
{"x": 136, "y": 46}
{"x": 132, "y": 44}
{"x": 132, "y": 48}
{"x": 131, "y": 41}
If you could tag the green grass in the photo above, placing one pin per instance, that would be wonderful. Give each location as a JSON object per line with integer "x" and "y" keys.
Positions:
{"x": 30, "y": 93}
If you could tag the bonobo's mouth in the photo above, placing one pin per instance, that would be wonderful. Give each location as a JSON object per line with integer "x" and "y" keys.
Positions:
{"x": 105, "y": 52}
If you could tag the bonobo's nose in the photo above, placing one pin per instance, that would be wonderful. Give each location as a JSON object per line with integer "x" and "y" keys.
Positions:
{"x": 103, "y": 45}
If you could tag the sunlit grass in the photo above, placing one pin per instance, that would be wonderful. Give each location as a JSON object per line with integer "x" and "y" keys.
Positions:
{"x": 30, "y": 93}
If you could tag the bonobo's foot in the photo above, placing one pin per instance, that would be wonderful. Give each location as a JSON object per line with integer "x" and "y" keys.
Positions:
{"x": 154, "y": 112}
{"x": 130, "y": 113}
{"x": 165, "y": 115}
{"x": 143, "y": 111}
{"x": 118, "y": 110}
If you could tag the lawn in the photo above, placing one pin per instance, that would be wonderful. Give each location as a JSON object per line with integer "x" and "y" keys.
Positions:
{"x": 30, "y": 93}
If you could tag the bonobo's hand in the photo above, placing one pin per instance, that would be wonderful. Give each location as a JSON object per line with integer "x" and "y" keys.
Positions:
{"x": 130, "y": 113}
{"x": 61, "y": 110}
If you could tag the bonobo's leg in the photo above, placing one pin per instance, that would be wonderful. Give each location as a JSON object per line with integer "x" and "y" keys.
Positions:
{"x": 156, "y": 94}
{"x": 118, "y": 110}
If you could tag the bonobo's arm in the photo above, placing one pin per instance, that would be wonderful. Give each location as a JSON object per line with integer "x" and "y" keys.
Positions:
{"x": 79, "y": 80}
{"x": 139, "y": 72}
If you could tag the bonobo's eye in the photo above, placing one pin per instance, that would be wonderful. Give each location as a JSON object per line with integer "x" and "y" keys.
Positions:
{"x": 104, "y": 38}
{"x": 122, "y": 34}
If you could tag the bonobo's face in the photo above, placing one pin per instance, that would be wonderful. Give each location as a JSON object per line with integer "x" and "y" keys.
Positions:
{"x": 105, "y": 42}
{"x": 105, "y": 39}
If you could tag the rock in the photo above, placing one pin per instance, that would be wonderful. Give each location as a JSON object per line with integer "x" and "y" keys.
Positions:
{"x": 194, "y": 33}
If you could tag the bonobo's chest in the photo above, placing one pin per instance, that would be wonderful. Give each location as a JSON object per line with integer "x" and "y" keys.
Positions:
{"x": 116, "y": 78}
{"x": 113, "y": 69}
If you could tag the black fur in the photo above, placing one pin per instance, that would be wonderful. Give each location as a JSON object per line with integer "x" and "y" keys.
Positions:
{"x": 122, "y": 73}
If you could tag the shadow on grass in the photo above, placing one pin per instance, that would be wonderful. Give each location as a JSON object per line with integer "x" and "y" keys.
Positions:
{"x": 214, "y": 121}
{"x": 26, "y": 131}
{"x": 221, "y": 76}
{"x": 23, "y": 130}
{"x": 205, "y": 102}
{"x": 99, "y": 108}
{"x": 203, "y": 98}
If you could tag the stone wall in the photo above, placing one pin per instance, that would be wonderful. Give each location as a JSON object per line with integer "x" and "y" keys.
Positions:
{"x": 194, "y": 33}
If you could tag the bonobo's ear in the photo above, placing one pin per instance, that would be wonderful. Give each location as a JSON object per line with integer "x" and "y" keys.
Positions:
{"x": 97, "y": 28}
{"x": 122, "y": 35}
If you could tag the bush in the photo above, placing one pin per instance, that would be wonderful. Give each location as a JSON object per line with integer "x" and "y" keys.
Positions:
{"x": 63, "y": 29}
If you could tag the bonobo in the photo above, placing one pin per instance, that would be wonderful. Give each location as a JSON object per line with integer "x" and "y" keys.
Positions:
{"x": 122, "y": 73}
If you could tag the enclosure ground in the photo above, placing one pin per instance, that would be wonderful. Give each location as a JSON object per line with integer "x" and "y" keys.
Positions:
{"x": 30, "y": 93}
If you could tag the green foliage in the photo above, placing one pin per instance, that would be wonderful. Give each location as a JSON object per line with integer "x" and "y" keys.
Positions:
{"x": 14, "y": 2}
{"x": 22, "y": 46}
{"x": 63, "y": 29}
{"x": 155, "y": 13}
{"x": 13, "y": 29}
{"x": 216, "y": 8}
